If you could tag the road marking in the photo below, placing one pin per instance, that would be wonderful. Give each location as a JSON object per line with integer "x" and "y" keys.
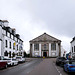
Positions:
{"x": 57, "y": 70}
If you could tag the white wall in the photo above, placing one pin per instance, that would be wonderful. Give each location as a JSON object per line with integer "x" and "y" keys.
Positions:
{"x": 3, "y": 37}
{"x": 0, "y": 32}
{"x": 72, "y": 45}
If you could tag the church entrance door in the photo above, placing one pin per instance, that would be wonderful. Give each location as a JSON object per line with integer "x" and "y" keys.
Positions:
{"x": 45, "y": 54}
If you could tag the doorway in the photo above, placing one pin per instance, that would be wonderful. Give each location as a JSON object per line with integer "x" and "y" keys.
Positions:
{"x": 45, "y": 54}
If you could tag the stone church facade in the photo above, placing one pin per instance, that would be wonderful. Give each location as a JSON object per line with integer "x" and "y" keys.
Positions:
{"x": 45, "y": 45}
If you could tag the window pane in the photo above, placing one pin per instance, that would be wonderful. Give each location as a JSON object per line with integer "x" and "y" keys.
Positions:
{"x": 5, "y": 43}
{"x": 74, "y": 48}
{"x": 53, "y": 46}
{"x": 36, "y": 46}
{"x": 10, "y": 45}
{"x": 44, "y": 46}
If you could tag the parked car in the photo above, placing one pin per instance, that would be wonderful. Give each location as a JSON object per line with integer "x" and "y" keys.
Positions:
{"x": 14, "y": 61}
{"x": 1, "y": 57}
{"x": 24, "y": 59}
{"x": 3, "y": 64}
{"x": 60, "y": 61}
{"x": 69, "y": 66}
{"x": 20, "y": 59}
{"x": 11, "y": 61}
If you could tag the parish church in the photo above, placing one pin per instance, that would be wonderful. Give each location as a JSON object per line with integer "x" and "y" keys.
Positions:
{"x": 45, "y": 45}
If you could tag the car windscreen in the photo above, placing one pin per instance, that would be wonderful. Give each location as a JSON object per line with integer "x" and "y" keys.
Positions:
{"x": 1, "y": 57}
{"x": 14, "y": 59}
{"x": 18, "y": 57}
{"x": 62, "y": 58}
{"x": 6, "y": 59}
{"x": 72, "y": 62}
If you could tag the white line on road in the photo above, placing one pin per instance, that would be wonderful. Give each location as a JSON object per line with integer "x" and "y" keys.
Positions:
{"x": 58, "y": 70}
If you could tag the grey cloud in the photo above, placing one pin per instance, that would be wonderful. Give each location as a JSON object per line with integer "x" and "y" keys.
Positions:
{"x": 33, "y": 17}
{"x": 59, "y": 15}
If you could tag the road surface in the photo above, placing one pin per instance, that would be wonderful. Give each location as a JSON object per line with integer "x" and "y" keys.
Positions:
{"x": 37, "y": 66}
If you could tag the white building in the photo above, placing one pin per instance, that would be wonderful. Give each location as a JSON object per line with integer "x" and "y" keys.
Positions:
{"x": 45, "y": 45}
{"x": 73, "y": 48}
{"x": 10, "y": 43}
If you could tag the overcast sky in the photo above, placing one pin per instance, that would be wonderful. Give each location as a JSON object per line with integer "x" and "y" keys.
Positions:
{"x": 32, "y": 18}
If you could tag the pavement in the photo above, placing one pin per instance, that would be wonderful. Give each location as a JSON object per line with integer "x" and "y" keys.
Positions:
{"x": 30, "y": 59}
{"x": 46, "y": 67}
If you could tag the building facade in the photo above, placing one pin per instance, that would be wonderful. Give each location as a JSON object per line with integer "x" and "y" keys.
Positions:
{"x": 10, "y": 43}
{"x": 45, "y": 45}
{"x": 73, "y": 48}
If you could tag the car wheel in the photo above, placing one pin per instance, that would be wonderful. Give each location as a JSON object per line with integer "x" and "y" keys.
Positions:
{"x": 13, "y": 64}
{"x": 6, "y": 66}
{"x": 57, "y": 64}
{"x": 64, "y": 69}
{"x": 67, "y": 70}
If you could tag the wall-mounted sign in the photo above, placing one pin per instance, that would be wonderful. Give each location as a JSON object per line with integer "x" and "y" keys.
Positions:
{"x": 14, "y": 44}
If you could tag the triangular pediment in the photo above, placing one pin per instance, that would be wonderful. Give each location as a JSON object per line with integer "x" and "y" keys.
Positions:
{"x": 44, "y": 37}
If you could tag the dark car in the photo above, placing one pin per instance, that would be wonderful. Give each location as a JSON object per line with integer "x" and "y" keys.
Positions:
{"x": 3, "y": 63}
{"x": 60, "y": 61}
{"x": 69, "y": 66}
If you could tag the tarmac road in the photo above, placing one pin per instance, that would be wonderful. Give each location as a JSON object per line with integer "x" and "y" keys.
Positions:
{"x": 46, "y": 67}
{"x": 37, "y": 66}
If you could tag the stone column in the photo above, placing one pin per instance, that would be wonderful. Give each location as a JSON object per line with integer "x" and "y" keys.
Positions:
{"x": 59, "y": 44}
{"x": 40, "y": 49}
{"x": 57, "y": 50}
{"x": 30, "y": 50}
{"x": 49, "y": 49}
{"x": 33, "y": 50}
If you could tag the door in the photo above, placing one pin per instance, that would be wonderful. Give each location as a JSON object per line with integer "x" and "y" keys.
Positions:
{"x": 45, "y": 54}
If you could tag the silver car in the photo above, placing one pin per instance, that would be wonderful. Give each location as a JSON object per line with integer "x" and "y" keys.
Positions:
{"x": 20, "y": 59}
{"x": 11, "y": 61}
